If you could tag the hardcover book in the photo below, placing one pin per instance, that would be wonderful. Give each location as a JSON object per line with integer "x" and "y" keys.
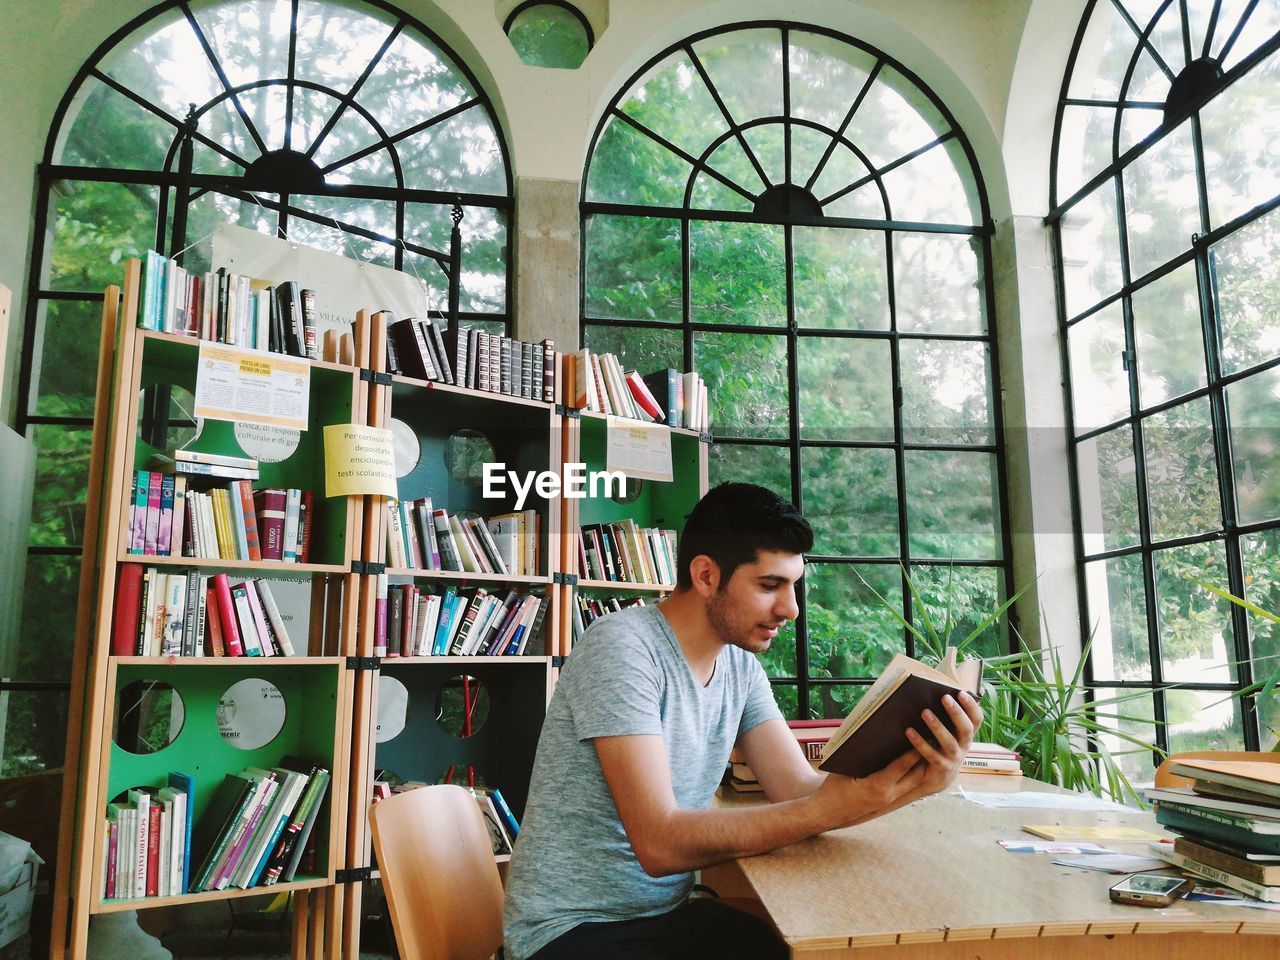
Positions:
{"x": 874, "y": 733}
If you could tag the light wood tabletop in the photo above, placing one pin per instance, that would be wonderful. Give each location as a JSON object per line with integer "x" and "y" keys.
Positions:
{"x": 930, "y": 880}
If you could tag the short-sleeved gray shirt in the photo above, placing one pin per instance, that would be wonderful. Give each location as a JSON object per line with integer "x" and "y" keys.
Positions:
{"x": 573, "y": 863}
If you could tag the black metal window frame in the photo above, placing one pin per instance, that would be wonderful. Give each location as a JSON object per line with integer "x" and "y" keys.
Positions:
{"x": 793, "y": 333}
{"x": 1178, "y": 109}
{"x": 172, "y": 183}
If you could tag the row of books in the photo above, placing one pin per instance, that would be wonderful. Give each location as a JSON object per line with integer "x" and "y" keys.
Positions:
{"x": 413, "y": 622}
{"x": 1228, "y": 823}
{"x": 228, "y": 308}
{"x": 257, "y": 826}
{"x": 627, "y": 553}
{"x": 811, "y": 735}
{"x": 168, "y": 518}
{"x": 466, "y": 356}
{"x": 587, "y": 610}
{"x": 148, "y": 842}
{"x": 192, "y": 614}
{"x": 665, "y": 396}
{"x": 421, "y": 537}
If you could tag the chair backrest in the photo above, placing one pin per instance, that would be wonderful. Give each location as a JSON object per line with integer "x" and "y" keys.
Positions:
{"x": 1166, "y": 779}
{"x": 438, "y": 873}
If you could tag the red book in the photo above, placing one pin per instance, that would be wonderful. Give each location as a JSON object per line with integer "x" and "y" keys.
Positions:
{"x": 306, "y": 520}
{"x": 643, "y": 398}
{"x": 153, "y": 850}
{"x": 245, "y": 489}
{"x": 270, "y": 505}
{"x": 227, "y": 615}
{"x": 213, "y": 625}
{"x": 124, "y": 627}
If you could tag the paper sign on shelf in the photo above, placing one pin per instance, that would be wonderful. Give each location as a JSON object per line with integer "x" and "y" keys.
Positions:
{"x": 640, "y": 450}
{"x": 252, "y": 386}
{"x": 358, "y": 460}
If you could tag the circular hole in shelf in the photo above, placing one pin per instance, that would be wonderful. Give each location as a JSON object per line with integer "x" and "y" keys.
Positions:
{"x": 630, "y": 492}
{"x": 266, "y": 443}
{"x": 405, "y": 447}
{"x": 251, "y": 713}
{"x": 393, "y": 707}
{"x": 149, "y": 716}
{"x": 462, "y": 706}
{"x": 166, "y": 416}
{"x": 465, "y": 454}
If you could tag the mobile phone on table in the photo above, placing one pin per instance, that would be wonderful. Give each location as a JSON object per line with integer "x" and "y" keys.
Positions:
{"x": 1150, "y": 889}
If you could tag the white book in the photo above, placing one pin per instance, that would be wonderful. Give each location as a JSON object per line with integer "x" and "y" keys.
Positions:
{"x": 141, "y": 801}
{"x": 396, "y": 556}
{"x": 244, "y": 616}
{"x": 293, "y": 500}
{"x": 273, "y": 614}
{"x": 484, "y": 616}
{"x": 530, "y": 614}
{"x": 428, "y": 635}
{"x": 177, "y": 807}
{"x": 175, "y": 615}
{"x": 463, "y": 545}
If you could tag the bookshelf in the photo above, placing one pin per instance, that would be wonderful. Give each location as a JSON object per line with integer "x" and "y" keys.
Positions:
{"x": 137, "y": 719}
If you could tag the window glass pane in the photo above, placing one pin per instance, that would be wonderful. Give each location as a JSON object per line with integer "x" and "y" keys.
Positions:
{"x": 946, "y": 387}
{"x": 1170, "y": 343}
{"x": 1195, "y": 625}
{"x": 745, "y": 67}
{"x": 66, "y": 361}
{"x": 1261, "y": 555}
{"x": 730, "y": 161}
{"x": 484, "y": 252}
{"x": 737, "y": 273}
{"x": 768, "y": 145}
{"x": 846, "y": 390}
{"x": 768, "y": 467}
{"x": 673, "y": 102}
{"x": 851, "y": 632}
{"x": 96, "y": 227}
{"x": 375, "y": 216}
{"x": 1099, "y": 380}
{"x": 1136, "y": 718}
{"x": 826, "y": 75}
{"x": 461, "y": 153}
{"x": 165, "y": 39}
{"x": 639, "y": 348}
{"x": 951, "y": 505}
{"x": 1262, "y": 24}
{"x": 781, "y": 658}
{"x": 840, "y": 278}
{"x": 249, "y": 37}
{"x": 1161, "y": 207}
{"x": 1118, "y": 619}
{"x": 62, "y": 478}
{"x": 808, "y": 146}
{"x": 1112, "y": 38}
{"x": 48, "y": 620}
{"x": 842, "y": 170}
{"x": 938, "y": 282}
{"x": 1253, "y": 406}
{"x": 412, "y": 83}
{"x": 1247, "y": 283}
{"x": 1203, "y": 720}
{"x": 963, "y": 596}
{"x": 335, "y": 44}
{"x": 851, "y": 500}
{"x": 267, "y": 108}
{"x": 1084, "y": 145}
{"x": 787, "y": 697}
{"x": 35, "y": 731}
{"x": 1182, "y": 482}
{"x": 746, "y": 378}
{"x": 112, "y": 130}
{"x": 929, "y": 188}
{"x": 353, "y": 133}
{"x": 546, "y": 35}
{"x": 895, "y": 118}
{"x": 1235, "y": 124}
{"x": 210, "y": 211}
{"x": 1107, "y": 478}
{"x": 629, "y": 167}
{"x": 1091, "y": 250}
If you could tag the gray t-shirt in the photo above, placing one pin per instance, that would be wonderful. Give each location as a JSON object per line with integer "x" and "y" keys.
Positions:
{"x": 573, "y": 863}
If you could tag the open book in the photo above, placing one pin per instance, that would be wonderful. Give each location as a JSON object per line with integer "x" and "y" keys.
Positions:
{"x": 874, "y": 733}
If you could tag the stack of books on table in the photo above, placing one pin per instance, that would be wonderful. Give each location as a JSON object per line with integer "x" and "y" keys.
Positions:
{"x": 1228, "y": 823}
{"x": 811, "y": 735}
{"x": 991, "y": 758}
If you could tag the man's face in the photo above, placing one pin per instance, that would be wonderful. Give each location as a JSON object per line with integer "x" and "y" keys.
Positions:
{"x": 759, "y": 598}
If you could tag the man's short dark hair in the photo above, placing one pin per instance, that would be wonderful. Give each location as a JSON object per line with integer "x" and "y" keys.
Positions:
{"x": 733, "y": 522}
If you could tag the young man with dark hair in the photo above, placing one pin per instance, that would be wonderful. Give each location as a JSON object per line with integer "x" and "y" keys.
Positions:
{"x": 636, "y": 739}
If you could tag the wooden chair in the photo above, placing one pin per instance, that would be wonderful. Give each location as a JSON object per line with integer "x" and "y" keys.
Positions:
{"x": 1166, "y": 779}
{"x": 439, "y": 875}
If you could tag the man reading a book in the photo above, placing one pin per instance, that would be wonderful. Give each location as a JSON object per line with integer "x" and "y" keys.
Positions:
{"x": 636, "y": 739}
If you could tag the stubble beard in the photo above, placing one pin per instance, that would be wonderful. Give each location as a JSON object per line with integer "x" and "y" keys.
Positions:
{"x": 725, "y": 629}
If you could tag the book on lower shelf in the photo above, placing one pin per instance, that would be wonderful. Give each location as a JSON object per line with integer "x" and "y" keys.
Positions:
{"x": 413, "y": 621}
{"x": 147, "y": 848}
{"x": 874, "y": 732}
{"x": 160, "y": 611}
{"x": 587, "y": 609}
{"x": 624, "y": 552}
{"x": 257, "y": 826}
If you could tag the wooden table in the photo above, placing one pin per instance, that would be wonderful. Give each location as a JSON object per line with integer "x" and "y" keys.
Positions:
{"x": 930, "y": 881}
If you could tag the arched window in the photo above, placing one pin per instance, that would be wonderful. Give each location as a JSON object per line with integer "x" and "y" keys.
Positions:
{"x": 793, "y": 215}
{"x": 341, "y": 124}
{"x": 1164, "y": 192}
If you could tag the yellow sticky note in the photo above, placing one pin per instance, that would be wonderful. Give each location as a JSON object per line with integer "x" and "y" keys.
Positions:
{"x": 358, "y": 460}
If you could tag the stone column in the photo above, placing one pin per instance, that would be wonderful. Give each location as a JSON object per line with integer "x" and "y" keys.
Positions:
{"x": 547, "y": 261}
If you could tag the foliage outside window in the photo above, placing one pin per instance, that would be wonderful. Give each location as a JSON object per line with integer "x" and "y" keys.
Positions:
{"x": 552, "y": 34}
{"x": 796, "y": 217}
{"x": 1164, "y": 199}
{"x": 340, "y": 124}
